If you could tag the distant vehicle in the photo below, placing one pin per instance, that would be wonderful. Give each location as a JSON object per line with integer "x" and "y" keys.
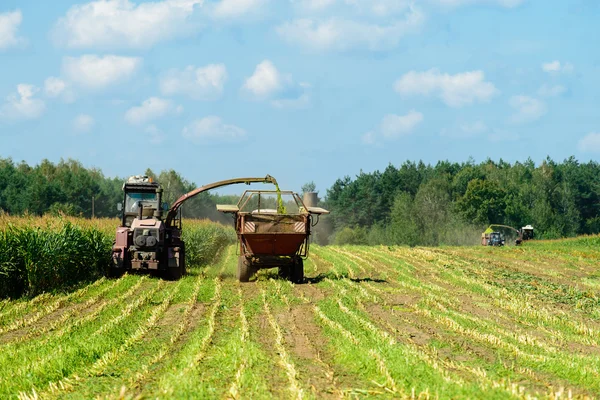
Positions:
{"x": 527, "y": 232}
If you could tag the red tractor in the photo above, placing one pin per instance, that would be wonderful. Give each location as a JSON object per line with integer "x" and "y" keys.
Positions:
{"x": 146, "y": 239}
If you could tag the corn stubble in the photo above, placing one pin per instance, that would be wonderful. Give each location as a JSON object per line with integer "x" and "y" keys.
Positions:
{"x": 370, "y": 322}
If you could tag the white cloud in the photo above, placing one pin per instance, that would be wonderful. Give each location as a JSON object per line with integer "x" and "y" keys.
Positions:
{"x": 457, "y": 3}
{"x": 9, "y": 25}
{"x": 229, "y": 9}
{"x": 266, "y": 81}
{"x": 557, "y": 67}
{"x": 83, "y": 123}
{"x": 342, "y": 34}
{"x": 590, "y": 143}
{"x": 123, "y": 24}
{"x": 23, "y": 104}
{"x": 151, "y": 109}
{"x": 314, "y": 5}
{"x": 212, "y": 129}
{"x": 94, "y": 72}
{"x": 527, "y": 109}
{"x": 551, "y": 90}
{"x": 204, "y": 83}
{"x": 455, "y": 90}
{"x": 394, "y": 126}
{"x": 54, "y": 87}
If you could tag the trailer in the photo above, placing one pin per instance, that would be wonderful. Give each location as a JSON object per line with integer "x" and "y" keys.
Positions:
{"x": 273, "y": 230}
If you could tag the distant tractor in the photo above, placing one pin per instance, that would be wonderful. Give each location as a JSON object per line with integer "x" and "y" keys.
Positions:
{"x": 493, "y": 239}
{"x": 527, "y": 232}
{"x": 148, "y": 241}
{"x": 272, "y": 233}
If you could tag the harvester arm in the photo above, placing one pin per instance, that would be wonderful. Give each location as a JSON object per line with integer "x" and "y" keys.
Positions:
{"x": 491, "y": 228}
{"x": 175, "y": 207}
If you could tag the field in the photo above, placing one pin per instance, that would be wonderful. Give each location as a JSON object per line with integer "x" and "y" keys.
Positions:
{"x": 384, "y": 322}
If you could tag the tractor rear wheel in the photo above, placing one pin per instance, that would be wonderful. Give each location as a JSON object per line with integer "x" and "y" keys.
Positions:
{"x": 245, "y": 269}
{"x": 297, "y": 271}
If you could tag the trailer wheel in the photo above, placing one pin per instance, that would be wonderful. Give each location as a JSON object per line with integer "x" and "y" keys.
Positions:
{"x": 284, "y": 272}
{"x": 297, "y": 271}
{"x": 244, "y": 270}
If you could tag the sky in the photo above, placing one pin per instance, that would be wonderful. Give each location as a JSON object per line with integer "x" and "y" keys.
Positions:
{"x": 304, "y": 90}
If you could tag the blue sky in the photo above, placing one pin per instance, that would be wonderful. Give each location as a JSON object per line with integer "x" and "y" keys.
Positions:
{"x": 299, "y": 89}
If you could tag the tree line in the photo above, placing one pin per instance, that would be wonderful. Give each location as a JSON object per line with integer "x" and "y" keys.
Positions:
{"x": 413, "y": 203}
{"x": 69, "y": 188}
{"x": 451, "y": 203}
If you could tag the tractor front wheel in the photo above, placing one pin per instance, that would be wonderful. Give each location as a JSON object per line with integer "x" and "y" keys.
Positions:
{"x": 245, "y": 269}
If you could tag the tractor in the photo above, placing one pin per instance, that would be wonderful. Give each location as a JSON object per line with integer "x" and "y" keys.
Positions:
{"x": 149, "y": 236}
{"x": 491, "y": 237}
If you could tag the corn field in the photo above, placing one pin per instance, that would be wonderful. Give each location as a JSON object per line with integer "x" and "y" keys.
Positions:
{"x": 39, "y": 255}
{"x": 369, "y": 322}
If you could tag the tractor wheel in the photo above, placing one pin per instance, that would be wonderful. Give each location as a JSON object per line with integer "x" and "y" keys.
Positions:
{"x": 112, "y": 272}
{"x": 297, "y": 271}
{"x": 175, "y": 273}
{"x": 245, "y": 269}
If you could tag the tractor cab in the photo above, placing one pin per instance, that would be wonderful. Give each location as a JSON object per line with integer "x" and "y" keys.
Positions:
{"x": 142, "y": 199}
{"x": 496, "y": 239}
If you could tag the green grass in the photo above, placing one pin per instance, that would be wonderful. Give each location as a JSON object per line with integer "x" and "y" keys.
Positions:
{"x": 372, "y": 322}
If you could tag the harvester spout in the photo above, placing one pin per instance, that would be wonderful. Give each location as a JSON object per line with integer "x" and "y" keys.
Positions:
{"x": 175, "y": 207}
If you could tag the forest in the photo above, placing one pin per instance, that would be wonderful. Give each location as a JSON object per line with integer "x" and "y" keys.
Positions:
{"x": 413, "y": 203}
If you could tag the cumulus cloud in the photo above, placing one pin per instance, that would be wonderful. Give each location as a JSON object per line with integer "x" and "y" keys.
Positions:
{"x": 551, "y": 90}
{"x": 9, "y": 25}
{"x": 124, "y": 24}
{"x": 203, "y": 83}
{"x": 455, "y": 90}
{"x": 230, "y": 9}
{"x": 151, "y": 109}
{"x": 557, "y": 67}
{"x": 266, "y": 81}
{"x": 95, "y": 72}
{"x": 212, "y": 129}
{"x": 590, "y": 143}
{"x": 23, "y": 104}
{"x": 314, "y": 5}
{"x": 343, "y": 34}
{"x": 527, "y": 109}
{"x": 394, "y": 126}
{"x": 457, "y": 3}
{"x": 83, "y": 123}
{"x": 54, "y": 87}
